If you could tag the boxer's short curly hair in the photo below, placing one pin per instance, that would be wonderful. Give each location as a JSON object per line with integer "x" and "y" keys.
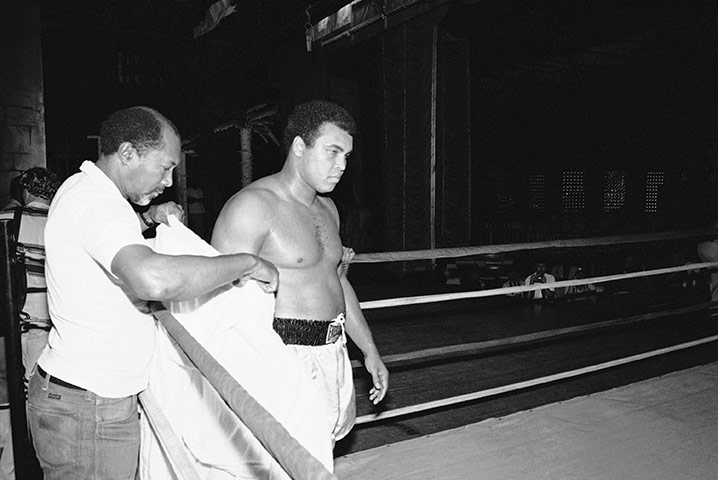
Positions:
{"x": 307, "y": 118}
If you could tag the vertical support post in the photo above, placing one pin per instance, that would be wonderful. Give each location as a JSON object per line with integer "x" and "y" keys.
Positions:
{"x": 434, "y": 79}
{"x": 469, "y": 173}
{"x": 13, "y": 352}
{"x": 180, "y": 181}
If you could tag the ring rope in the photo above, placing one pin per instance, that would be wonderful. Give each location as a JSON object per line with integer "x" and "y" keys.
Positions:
{"x": 528, "y": 383}
{"x": 290, "y": 454}
{"x": 507, "y": 247}
{"x": 476, "y": 348}
{"x": 167, "y": 437}
{"x": 240, "y": 401}
{"x": 442, "y": 297}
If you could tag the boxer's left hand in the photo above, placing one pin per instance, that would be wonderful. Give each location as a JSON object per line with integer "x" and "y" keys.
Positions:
{"x": 380, "y": 377}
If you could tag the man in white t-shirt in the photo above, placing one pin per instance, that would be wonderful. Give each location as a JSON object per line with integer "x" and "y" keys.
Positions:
{"x": 540, "y": 275}
{"x": 82, "y": 398}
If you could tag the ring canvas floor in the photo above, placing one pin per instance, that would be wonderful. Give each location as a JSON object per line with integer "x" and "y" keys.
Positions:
{"x": 662, "y": 428}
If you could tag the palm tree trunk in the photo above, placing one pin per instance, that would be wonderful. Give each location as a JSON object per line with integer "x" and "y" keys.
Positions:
{"x": 245, "y": 136}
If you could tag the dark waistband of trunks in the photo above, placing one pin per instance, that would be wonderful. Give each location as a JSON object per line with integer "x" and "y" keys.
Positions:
{"x": 298, "y": 331}
{"x": 57, "y": 381}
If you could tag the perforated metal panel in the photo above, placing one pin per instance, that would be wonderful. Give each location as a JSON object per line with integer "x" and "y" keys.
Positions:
{"x": 573, "y": 191}
{"x": 654, "y": 181}
{"x": 614, "y": 190}
{"x": 537, "y": 191}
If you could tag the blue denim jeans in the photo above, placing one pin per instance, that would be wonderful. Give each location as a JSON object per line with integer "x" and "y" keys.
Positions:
{"x": 80, "y": 435}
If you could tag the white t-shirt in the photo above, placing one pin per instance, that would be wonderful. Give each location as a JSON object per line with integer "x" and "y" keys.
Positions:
{"x": 103, "y": 336}
{"x": 537, "y": 294}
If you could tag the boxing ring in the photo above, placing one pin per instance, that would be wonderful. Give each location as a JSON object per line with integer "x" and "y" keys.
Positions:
{"x": 516, "y": 445}
{"x": 423, "y": 457}
{"x": 570, "y": 441}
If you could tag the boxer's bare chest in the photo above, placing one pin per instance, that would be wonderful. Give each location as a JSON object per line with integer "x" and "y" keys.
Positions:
{"x": 304, "y": 237}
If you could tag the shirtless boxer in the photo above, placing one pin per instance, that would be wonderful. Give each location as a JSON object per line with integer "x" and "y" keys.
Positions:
{"x": 286, "y": 219}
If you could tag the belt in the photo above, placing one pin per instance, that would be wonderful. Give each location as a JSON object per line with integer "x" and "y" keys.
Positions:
{"x": 27, "y": 326}
{"x": 57, "y": 381}
{"x": 298, "y": 331}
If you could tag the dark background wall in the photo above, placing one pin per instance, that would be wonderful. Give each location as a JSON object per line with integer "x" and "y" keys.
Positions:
{"x": 22, "y": 126}
{"x": 519, "y": 118}
{"x": 584, "y": 118}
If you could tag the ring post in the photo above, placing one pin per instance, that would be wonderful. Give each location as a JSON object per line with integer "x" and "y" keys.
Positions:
{"x": 13, "y": 353}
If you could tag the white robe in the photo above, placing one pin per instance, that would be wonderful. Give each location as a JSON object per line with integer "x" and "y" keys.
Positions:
{"x": 235, "y": 325}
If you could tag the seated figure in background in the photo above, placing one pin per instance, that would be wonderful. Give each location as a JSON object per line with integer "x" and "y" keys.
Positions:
{"x": 515, "y": 280}
{"x": 580, "y": 290}
{"x": 541, "y": 276}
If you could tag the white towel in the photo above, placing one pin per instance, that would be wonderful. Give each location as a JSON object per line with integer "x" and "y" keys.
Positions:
{"x": 235, "y": 325}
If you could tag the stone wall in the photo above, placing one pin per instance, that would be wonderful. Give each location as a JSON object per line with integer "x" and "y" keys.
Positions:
{"x": 22, "y": 124}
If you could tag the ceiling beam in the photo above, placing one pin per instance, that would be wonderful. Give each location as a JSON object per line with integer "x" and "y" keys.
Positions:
{"x": 323, "y": 8}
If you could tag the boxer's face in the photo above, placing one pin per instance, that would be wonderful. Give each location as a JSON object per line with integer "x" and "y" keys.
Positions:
{"x": 324, "y": 162}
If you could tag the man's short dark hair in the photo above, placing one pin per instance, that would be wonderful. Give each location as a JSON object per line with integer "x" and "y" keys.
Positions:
{"x": 141, "y": 126}
{"x": 307, "y": 118}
